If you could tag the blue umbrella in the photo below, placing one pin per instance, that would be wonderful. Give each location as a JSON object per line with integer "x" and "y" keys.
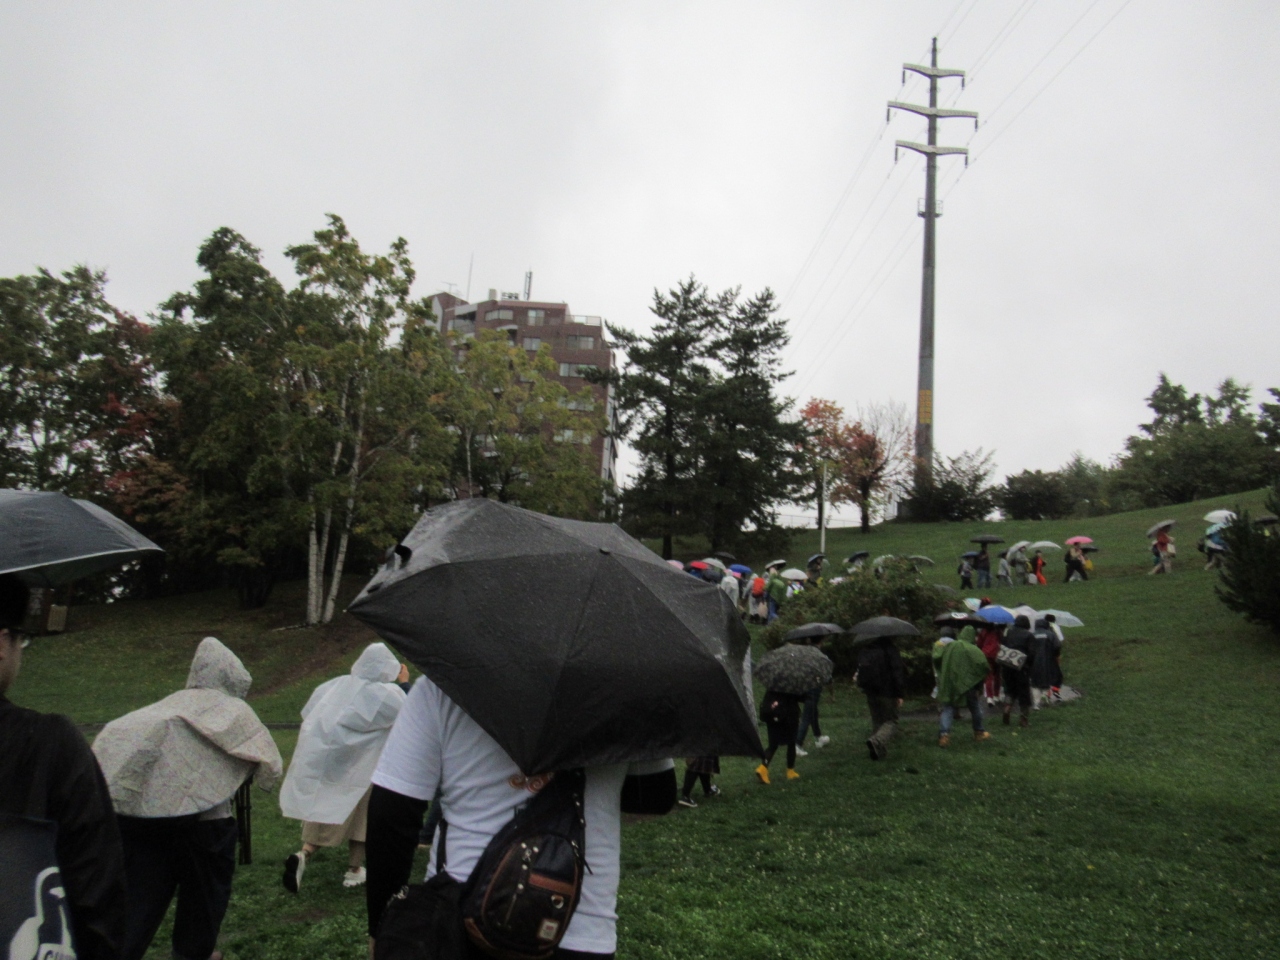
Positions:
{"x": 741, "y": 568}
{"x": 994, "y": 613}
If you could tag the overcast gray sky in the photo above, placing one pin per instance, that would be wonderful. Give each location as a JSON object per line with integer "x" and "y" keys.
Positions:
{"x": 1118, "y": 222}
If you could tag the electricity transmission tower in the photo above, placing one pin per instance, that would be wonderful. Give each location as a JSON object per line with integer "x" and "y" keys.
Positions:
{"x": 933, "y": 113}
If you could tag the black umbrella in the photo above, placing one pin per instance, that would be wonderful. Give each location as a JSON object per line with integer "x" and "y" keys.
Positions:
{"x": 814, "y": 630}
{"x": 570, "y": 643}
{"x": 816, "y": 556}
{"x": 860, "y": 555}
{"x": 884, "y": 627}
{"x": 793, "y": 669}
{"x": 1266, "y": 520}
{"x": 1088, "y": 548}
{"x": 726, "y": 556}
{"x": 958, "y": 619}
{"x": 969, "y": 554}
{"x": 986, "y": 538}
{"x": 48, "y": 538}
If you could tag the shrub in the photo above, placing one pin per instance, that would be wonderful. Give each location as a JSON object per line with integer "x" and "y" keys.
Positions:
{"x": 898, "y": 592}
{"x": 1251, "y": 567}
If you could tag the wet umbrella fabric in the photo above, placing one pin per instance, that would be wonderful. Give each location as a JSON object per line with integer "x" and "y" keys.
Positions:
{"x": 1162, "y": 525}
{"x": 968, "y": 554}
{"x": 860, "y": 555}
{"x": 1266, "y": 519}
{"x": 1063, "y": 618}
{"x": 794, "y": 574}
{"x": 885, "y": 627}
{"x": 1044, "y": 545}
{"x": 794, "y": 669}
{"x": 48, "y": 538}
{"x": 814, "y": 630}
{"x": 741, "y": 568}
{"x": 570, "y": 643}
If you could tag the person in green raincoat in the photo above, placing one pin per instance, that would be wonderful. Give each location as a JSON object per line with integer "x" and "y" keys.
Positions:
{"x": 961, "y": 668}
{"x": 776, "y": 592}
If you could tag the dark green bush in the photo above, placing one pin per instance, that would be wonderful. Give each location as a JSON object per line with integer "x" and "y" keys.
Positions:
{"x": 1251, "y": 567}
{"x": 898, "y": 592}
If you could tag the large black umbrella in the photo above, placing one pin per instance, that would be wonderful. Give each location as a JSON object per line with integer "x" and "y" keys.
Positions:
{"x": 570, "y": 643}
{"x": 813, "y": 630}
{"x": 884, "y": 627}
{"x": 794, "y": 669}
{"x": 986, "y": 538}
{"x": 48, "y": 538}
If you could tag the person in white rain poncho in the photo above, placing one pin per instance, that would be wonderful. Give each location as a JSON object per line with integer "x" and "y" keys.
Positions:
{"x": 172, "y": 770}
{"x": 344, "y": 727}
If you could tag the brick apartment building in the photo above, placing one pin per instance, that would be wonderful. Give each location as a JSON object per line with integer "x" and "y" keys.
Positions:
{"x": 577, "y": 342}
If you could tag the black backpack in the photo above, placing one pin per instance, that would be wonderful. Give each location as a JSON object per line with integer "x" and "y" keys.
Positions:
{"x": 518, "y": 901}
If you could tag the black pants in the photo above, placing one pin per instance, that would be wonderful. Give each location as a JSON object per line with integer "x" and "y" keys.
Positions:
{"x": 1017, "y": 687}
{"x": 781, "y": 733}
{"x": 192, "y": 858}
{"x": 690, "y": 778}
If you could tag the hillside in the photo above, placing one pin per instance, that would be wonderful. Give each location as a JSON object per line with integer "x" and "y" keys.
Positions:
{"x": 1141, "y": 821}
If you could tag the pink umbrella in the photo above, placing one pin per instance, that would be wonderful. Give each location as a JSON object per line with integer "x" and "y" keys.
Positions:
{"x": 677, "y": 564}
{"x": 1075, "y": 541}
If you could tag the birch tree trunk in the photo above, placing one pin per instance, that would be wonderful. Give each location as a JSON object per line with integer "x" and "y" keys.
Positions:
{"x": 340, "y": 555}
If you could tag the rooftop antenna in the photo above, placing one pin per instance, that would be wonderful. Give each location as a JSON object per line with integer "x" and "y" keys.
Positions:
{"x": 528, "y": 283}
{"x": 469, "y": 266}
{"x": 449, "y": 286}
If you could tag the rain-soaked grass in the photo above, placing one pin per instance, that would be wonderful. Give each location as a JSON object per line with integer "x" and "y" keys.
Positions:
{"x": 1140, "y": 821}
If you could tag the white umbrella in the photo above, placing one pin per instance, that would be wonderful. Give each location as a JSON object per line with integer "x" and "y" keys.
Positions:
{"x": 1219, "y": 516}
{"x": 713, "y": 562}
{"x": 1163, "y": 524}
{"x": 1044, "y": 545}
{"x": 794, "y": 574}
{"x": 973, "y": 603}
{"x": 1020, "y": 545}
{"x": 1063, "y": 618}
{"x": 1031, "y": 613}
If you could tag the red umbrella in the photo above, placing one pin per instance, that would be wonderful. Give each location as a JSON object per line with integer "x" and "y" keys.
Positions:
{"x": 699, "y": 565}
{"x": 1075, "y": 541}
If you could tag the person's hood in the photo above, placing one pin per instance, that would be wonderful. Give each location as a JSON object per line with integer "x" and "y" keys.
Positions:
{"x": 376, "y": 663}
{"x": 214, "y": 667}
{"x": 967, "y": 635}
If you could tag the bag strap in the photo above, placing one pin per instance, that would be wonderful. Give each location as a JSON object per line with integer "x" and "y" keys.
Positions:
{"x": 441, "y": 853}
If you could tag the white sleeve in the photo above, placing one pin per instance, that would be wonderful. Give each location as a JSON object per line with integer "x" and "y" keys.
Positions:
{"x": 642, "y": 768}
{"x": 410, "y": 762}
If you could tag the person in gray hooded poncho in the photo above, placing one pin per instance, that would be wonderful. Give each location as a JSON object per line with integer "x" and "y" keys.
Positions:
{"x": 172, "y": 769}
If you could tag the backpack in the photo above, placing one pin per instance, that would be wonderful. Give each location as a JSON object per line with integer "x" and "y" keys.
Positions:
{"x": 518, "y": 901}
{"x": 757, "y": 587}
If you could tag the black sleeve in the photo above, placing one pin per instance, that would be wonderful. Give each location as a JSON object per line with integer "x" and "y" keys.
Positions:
{"x": 652, "y": 793}
{"x": 90, "y": 854}
{"x": 897, "y": 674}
{"x": 391, "y": 841}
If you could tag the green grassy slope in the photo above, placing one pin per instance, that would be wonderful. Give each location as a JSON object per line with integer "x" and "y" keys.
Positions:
{"x": 1142, "y": 821}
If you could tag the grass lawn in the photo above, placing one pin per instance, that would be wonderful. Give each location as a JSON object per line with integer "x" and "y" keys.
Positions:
{"x": 1141, "y": 821}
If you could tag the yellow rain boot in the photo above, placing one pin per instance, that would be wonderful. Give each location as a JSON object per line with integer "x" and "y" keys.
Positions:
{"x": 763, "y": 773}
{"x": 944, "y": 739}
{"x": 793, "y": 774}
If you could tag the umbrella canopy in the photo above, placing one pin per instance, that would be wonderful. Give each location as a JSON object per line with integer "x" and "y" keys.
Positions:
{"x": 1028, "y": 611}
{"x": 775, "y": 563}
{"x": 884, "y": 627}
{"x": 699, "y": 565}
{"x": 973, "y": 603}
{"x": 1266, "y": 519}
{"x": 878, "y": 561}
{"x": 741, "y": 568}
{"x": 917, "y": 559}
{"x": 1089, "y": 548}
{"x": 1078, "y": 541}
{"x": 1044, "y": 545}
{"x": 793, "y": 669}
{"x": 994, "y": 613}
{"x": 1020, "y": 545}
{"x": 986, "y": 538}
{"x": 860, "y": 555}
{"x": 48, "y": 538}
{"x": 969, "y": 554}
{"x": 814, "y": 630}
{"x": 1162, "y": 525}
{"x": 676, "y": 563}
{"x": 794, "y": 574}
{"x": 1219, "y": 516}
{"x": 1063, "y": 618}
{"x": 569, "y": 643}
{"x": 816, "y": 556}
{"x": 956, "y": 618}
{"x": 726, "y": 556}
{"x": 714, "y": 562}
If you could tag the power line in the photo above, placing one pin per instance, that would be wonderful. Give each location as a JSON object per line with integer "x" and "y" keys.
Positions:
{"x": 1003, "y": 34}
{"x": 1026, "y": 106}
{"x": 951, "y": 36}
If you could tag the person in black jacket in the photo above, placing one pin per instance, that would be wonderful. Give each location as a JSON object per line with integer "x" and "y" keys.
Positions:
{"x": 882, "y": 678}
{"x": 1017, "y": 683}
{"x": 781, "y": 715}
{"x": 48, "y": 773}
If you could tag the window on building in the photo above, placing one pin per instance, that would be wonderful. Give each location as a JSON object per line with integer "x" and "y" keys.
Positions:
{"x": 537, "y": 318}
{"x": 572, "y": 342}
{"x": 463, "y": 324}
{"x": 495, "y": 315}
{"x": 532, "y": 343}
{"x": 575, "y": 369}
{"x": 576, "y": 404}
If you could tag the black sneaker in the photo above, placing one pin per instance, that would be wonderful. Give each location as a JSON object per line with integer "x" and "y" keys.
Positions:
{"x": 714, "y": 791}
{"x": 687, "y": 802}
{"x": 871, "y": 748}
{"x": 293, "y": 867}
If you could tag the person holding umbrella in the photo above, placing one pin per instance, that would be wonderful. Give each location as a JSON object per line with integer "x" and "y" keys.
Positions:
{"x": 882, "y": 677}
{"x": 55, "y": 813}
{"x": 966, "y": 569}
{"x": 1017, "y": 682}
{"x": 1162, "y": 547}
{"x": 1003, "y": 574}
{"x": 788, "y": 673}
{"x": 982, "y": 566}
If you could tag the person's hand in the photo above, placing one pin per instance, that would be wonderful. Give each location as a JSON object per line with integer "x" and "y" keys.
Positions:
{"x": 403, "y": 675}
